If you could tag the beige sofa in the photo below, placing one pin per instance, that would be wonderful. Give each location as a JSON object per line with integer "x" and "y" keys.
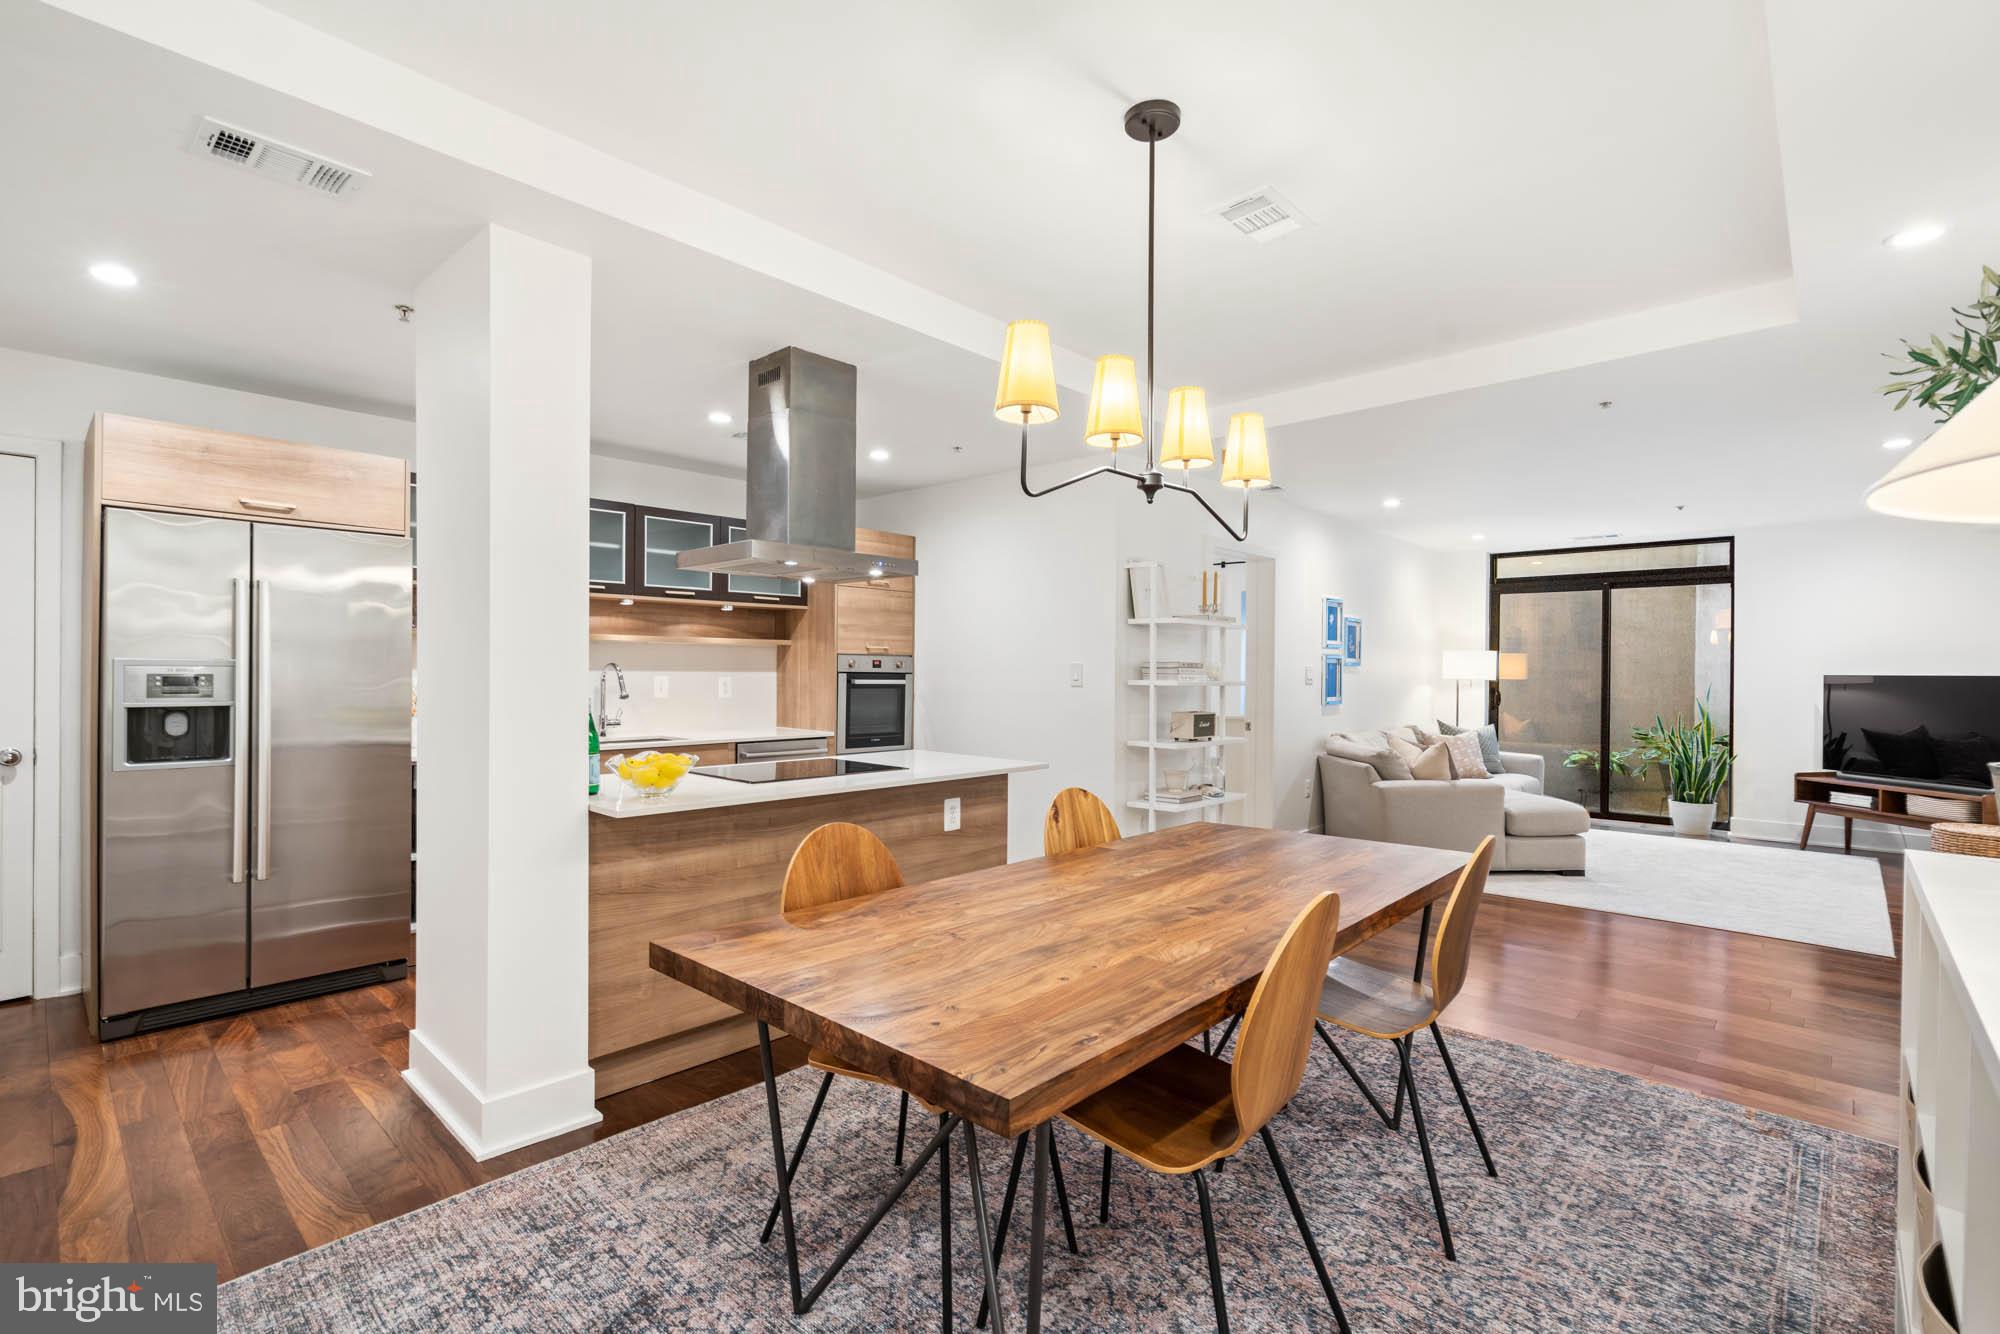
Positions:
{"x": 1535, "y": 832}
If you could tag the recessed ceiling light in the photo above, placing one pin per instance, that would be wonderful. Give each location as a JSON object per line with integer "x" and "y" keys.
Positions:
{"x": 1479, "y": 537}
{"x": 720, "y": 418}
{"x": 1900, "y": 442}
{"x": 1914, "y": 235}
{"x": 878, "y": 454}
{"x": 113, "y": 274}
{"x": 1391, "y": 502}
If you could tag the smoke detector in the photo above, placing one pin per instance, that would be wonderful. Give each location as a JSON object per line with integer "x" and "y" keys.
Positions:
{"x": 1264, "y": 216}
{"x": 223, "y": 142}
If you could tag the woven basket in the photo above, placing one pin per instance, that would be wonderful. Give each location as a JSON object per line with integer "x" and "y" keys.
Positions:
{"x": 1960, "y": 809}
{"x": 1970, "y": 840}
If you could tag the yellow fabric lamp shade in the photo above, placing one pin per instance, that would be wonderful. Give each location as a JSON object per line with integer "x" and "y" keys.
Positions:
{"x": 1185, "y": 440}
{"x": 1954, "y": 475}
{"x": 1115, "y": 420}
{"x": 1246, "y": 457}
{"x": 1027, "y": 392}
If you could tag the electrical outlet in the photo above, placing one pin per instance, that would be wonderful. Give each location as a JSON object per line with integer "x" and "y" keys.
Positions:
{"x": 660, "y": 680}
{"x": 725, "y": 687}
{"x": 950, "y": 814}
{"x": 1309, "y": 789}
{"x": 1076, "y": 675}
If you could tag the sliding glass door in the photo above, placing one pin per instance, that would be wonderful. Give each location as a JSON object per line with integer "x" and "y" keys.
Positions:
{"x": 1607, "y": 639}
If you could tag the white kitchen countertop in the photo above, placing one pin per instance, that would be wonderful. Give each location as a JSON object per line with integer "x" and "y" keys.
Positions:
{"x": 699, "y": 792}
{"x": 708, "y": 737}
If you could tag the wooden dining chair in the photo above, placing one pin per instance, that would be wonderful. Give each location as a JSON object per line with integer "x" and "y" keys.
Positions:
{"x": 1077, "y": 819}
{"x": 1187, "y": 1109}
{"x": 1377, "y": 1003}
{"x": 836, "y": 863}
{"x": 833, "y": 864}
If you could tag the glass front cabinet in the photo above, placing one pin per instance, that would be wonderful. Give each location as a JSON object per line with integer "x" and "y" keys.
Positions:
{"x": 635, "y": 549}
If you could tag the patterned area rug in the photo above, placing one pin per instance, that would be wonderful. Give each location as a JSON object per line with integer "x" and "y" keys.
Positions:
{"x": 1620, "y": 1205}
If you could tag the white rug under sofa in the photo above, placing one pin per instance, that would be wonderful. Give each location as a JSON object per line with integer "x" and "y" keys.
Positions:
{"x": 1817, "y": 898}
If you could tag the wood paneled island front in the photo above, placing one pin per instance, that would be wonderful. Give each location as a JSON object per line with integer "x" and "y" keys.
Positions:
{"x": 713, "y": 852}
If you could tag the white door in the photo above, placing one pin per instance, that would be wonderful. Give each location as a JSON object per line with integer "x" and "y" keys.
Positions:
{"x": 17, "y": 725}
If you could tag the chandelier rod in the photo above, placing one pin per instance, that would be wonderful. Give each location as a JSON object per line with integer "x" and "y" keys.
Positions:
{"x": 1152, "y": 151}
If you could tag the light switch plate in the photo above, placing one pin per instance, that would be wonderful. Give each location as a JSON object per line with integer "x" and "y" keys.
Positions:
{"x": 950, "y": 814}
{"x": 1076, "y": 675}
{"x": 660, "y": 682}
{"x": 725, "y": 687}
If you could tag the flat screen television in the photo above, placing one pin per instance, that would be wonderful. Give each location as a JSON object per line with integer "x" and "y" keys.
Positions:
{"x": 1938, "y": 731}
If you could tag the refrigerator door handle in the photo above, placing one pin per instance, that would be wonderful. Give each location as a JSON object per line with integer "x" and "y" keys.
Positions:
{"x": 262, "y": 676}
{"x": 239, "y": 735}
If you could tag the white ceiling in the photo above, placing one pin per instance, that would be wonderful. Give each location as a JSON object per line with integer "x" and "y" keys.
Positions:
{"x": 1475, "y": 180}
{"x": 1471, "y": 177}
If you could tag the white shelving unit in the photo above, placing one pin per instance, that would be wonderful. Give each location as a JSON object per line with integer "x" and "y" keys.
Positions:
{"x": 1211, "y": 647}
{"x": 1951, "y": 1092}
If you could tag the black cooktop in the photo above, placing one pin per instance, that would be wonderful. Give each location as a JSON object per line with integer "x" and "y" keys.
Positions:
{"x": 784, "y": 771}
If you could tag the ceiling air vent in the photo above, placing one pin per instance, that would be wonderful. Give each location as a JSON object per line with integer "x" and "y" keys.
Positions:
{"x": 268, "y": 157}
{"x": 1264, "y": 216}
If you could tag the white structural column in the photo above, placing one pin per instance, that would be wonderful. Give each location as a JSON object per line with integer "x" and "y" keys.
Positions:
{"x": 500, "y": 1050}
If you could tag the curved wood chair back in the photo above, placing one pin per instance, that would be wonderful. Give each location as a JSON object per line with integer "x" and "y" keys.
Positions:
{"x": 1451, "y": 952}
{"x": 1077, "y": 819}
{"x": 1278, "y": 1023}
{"x": 836, "y": 862}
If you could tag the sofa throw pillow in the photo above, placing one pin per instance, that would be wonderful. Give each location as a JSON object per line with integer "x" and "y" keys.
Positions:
{"x": 1405, "y": 748}
{"x": 1434, "y": 764}
{"x": 1385, "y": 762}
{"x": 1489, "y": 743}
{"x": 1465, "y": 758}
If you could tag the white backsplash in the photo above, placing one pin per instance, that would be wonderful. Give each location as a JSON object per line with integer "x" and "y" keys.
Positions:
{"x": 694, "y": 675}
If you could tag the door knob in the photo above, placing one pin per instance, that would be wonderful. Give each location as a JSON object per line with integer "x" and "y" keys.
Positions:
{"x": 9, "y": 757}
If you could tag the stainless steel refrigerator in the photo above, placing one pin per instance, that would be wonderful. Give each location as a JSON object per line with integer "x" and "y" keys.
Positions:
{"x": 254, "y": 781}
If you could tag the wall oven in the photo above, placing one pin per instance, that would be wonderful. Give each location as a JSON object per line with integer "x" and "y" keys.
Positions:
{"x": 877, "y": 702}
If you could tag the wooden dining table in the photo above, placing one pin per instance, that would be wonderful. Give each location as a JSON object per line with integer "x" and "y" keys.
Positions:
{"x": 1003, "y": 996}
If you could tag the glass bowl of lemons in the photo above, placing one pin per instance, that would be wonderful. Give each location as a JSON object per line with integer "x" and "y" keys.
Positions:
{"x": 654, "y": 773}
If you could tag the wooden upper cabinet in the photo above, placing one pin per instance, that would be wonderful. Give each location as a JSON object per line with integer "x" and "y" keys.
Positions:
{"x": 158, "y": 465}
{"x": 868, "y": 618}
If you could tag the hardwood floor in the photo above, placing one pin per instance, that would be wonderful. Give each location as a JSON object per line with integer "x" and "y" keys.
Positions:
{"x": 248, "y": 1139}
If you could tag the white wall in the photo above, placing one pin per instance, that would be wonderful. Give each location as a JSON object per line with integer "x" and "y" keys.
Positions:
{"x": 1871, "y": 594}
{"x": 694, "y": 675}
{"x": 50, "y": 398}
{"x": 1012, "y": 591}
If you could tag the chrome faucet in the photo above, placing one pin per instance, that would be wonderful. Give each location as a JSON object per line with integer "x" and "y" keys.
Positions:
{"x": 606, "y": 720}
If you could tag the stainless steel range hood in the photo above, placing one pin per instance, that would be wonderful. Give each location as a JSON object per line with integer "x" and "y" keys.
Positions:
{"x": 801, "y": 492}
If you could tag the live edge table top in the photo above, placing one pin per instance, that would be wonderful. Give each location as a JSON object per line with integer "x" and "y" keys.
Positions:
{"x": 1008, "y": 994}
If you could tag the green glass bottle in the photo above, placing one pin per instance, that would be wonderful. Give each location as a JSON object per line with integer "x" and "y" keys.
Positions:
{"x": 593, "y": 755}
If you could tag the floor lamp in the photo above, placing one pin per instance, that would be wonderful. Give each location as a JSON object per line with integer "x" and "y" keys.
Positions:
{"x": 1480, "y": 664}
{"x": 1468, "y": 664}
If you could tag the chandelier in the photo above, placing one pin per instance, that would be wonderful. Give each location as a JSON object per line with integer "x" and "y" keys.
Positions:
{"x": 1119, "y": 417}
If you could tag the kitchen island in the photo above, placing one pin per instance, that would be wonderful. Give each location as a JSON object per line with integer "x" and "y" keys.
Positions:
{"x": 714, "y": 851}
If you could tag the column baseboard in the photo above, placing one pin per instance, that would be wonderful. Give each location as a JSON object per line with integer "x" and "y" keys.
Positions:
{"x": 488, "y": 1126}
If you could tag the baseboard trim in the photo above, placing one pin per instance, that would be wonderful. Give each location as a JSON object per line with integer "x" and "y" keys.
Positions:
{"x": 490, "y": 1126}
{"x": 69, "y": 975}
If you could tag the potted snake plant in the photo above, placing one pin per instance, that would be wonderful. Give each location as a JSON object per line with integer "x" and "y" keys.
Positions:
{"x": 1697, "y": 761}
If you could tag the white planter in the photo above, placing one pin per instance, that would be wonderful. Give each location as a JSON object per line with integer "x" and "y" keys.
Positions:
{"x": 1692, "y": 819}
